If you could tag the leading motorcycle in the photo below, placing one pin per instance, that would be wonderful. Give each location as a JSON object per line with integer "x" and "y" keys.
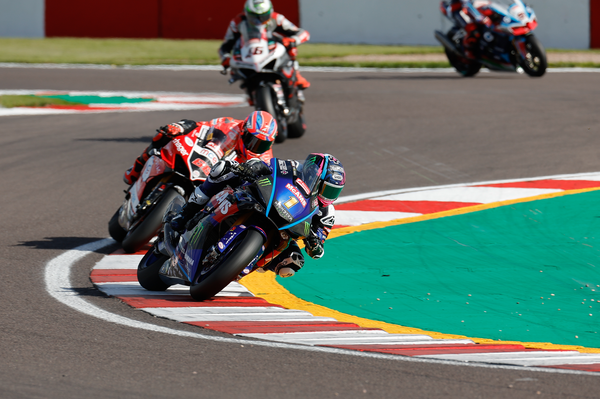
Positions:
{"x": 238, "y": 231}
{"x": 176, "y": 170}
{"x": 507, "y": 45}
{"x": 268, "y": 75}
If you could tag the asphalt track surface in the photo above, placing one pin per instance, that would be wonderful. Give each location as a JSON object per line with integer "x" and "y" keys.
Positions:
{"x": 61, "y": 182}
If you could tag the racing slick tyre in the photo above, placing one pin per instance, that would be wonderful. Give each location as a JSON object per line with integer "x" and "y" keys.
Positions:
{"x": 297, "y": 128}
{"x": 147, "y": 271}
{"x": 264, "y": 101}
{"x": 467, "y": 68}
{"x": 144, "y": 231}
{"x": 536, "y": 62}
{"x": 225, "y": 270}
{"x": 114, "y": 228}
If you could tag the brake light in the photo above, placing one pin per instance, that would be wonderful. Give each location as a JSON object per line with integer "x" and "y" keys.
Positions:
{"x": 520, "y": 31}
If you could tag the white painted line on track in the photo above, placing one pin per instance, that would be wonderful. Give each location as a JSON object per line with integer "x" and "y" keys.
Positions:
{"x": 183, "y": 68}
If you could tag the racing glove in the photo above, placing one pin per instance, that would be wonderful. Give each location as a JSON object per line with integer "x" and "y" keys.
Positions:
{"x": 184, "y": 126}
{"x": 290, "y": 44}
{"x": 253, "y": 169}
{"x": 313, "y": 246}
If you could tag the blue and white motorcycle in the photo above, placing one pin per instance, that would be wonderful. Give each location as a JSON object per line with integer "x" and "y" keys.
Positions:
{"x": 507, "y": 45}
{"x": 239, "y": 231}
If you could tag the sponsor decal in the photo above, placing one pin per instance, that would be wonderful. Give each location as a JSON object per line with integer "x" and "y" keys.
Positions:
{"x": 336, "y": 168}
{"x": 282, "y": 165}
{"x": 303, "y": 186}
{"x": 195, "y": 174}
{"x": 189, "y": 141}
{"x": 210, "y": 155}
{"x": 296, "y": 193}
{"x": 221, "y": 245}
{"x": 264, "y": 182}
{"x": 180, "y": 147}
{"x": 217, "y": 150}
{"x": 328, "y": 220}
{"x": 290, "y": 203}
{"x": 314, "y": 202}
{"x": 306, "y": 229}
{"x": 337, "y": 176}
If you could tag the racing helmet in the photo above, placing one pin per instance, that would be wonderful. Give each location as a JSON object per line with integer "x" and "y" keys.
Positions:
{"x": 259, "y": 132}
{"x": 325, "y": 177}
{"x": 258, "y": 12}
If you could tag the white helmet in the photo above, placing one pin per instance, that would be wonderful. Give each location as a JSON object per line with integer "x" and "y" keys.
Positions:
{"x": 258, "y": 12}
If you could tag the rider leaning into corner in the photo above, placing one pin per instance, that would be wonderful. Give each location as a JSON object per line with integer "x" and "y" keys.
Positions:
{"x": 256, "y": 14}
{"x": 464, "y": 13}
{"x": 323, "y": 176}
{"x": 249, "y": 138}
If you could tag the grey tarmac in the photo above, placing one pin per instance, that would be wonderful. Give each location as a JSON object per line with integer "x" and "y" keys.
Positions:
{"x": 61, "y": 180}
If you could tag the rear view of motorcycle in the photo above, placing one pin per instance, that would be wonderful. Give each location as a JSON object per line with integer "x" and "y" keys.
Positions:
{"x": 508, "y": 44}
{"x": 268, "y": 75}
{"x": 180, "y": 166}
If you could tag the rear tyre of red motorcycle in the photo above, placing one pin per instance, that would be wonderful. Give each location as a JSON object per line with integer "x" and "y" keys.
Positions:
{"x": 147, "y": 271}
{"x": 264, "y": 101}
{"x": 465, "y": 67}
{"x": 114, "y": 228}
{"x": 228, "y": 267}
{"x": 297, "y": 129}
{"x": 144, "y": 231}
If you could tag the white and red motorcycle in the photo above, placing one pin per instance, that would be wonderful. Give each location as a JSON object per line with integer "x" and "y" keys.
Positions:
{"x": 507, "y": 45}
{"x": 268, "y": 75}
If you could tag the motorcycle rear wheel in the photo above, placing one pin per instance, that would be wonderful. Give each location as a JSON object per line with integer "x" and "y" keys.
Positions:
{"x": 143, "y": 232}
{"x": 297, "y": 129}
{"x": 114, "y": 228}
{"x": 147, "y": 271}
{"x": 537, "y": 64}
{"x": 265, "y": 102}
{"x": 465, "y": 67}
{"x": 229, "y": 266}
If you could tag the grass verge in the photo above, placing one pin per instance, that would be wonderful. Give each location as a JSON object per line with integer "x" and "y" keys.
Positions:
{"x": 11, "y": 101}
{"x": 204, "y": 52}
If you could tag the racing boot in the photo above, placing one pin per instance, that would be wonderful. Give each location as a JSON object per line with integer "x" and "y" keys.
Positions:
{"x": 287, "y": 263}
{"x": 301, "y": 81}
{"x": 133, "y": 173}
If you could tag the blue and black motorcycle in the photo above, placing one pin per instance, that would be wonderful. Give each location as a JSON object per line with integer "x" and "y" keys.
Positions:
{"x": 507, "y": 45}
{"x": 238, "y": 231}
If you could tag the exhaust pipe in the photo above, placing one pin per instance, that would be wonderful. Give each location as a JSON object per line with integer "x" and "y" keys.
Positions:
{"x": 447, "y": 43}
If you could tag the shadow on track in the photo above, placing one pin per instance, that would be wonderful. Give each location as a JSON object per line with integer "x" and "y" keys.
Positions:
{"x": 144, "y": 139}
{"x": 66, "y": 243}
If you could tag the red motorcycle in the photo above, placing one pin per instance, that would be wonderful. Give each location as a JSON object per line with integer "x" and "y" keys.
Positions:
{"x": 181, "y": 165}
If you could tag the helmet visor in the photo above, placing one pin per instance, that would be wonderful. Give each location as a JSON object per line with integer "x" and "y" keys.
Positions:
{"x": 330, "y": 192}
{"x": 256, "y": 145}
{"x": 259, "y": 19}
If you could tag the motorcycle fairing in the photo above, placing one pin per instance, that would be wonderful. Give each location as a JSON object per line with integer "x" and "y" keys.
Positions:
{"x": 198, "y": 159}
{"x": 287, "y": 197}
{"x": 255, "y": 51}
{"x": 154, "y": 167}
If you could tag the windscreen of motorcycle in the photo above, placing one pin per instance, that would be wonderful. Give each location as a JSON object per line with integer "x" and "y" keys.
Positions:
{"x": 512, "y": 9}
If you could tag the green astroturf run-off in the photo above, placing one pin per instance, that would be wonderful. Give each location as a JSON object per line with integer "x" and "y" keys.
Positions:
{"x": 524, "y": 272}
{"x": 99, "y": 99}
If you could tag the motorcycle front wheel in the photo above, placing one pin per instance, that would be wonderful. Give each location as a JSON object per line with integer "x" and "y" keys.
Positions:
{"x": 265, "y": 102}
{"x": 147, "y": 271}
{"x": 535, "y": 63}
{"x": 228, "y": 266}
{"x": 143, "y": 232}
{"x": 114, "y": 228}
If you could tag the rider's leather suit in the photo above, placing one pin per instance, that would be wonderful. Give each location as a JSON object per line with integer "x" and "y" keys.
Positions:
{"x": 227, "y": 173}
{"x": 224, "y": 136}
{"x": 279, "y": 25}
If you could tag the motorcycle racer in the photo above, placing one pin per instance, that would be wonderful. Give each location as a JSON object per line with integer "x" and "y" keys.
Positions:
{"x": 256, "y": 14}
{"x": 464, "y": 13}
{"x": 249, "y": 138}
{"x": 323, "y": 176}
